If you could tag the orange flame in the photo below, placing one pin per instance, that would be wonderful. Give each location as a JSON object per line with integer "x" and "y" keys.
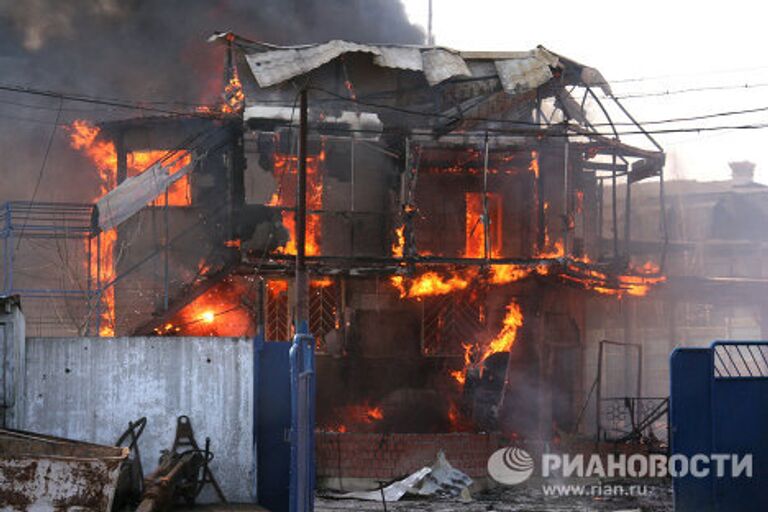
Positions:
{"x": 461, "y": 375}
{"x": 355, "y": 416}
{"x": 234, "y": 97}
{"x": 399, "y": 244}
{"x": 431, "y": 283}
{"x": 84, "y": 137}
{"x": 217, "y": 312}
{"x": 506, "y": 337}
{"x": 503, "y": 274}
{"x": 534, "y": 166}
{"x": 285, "y": 171}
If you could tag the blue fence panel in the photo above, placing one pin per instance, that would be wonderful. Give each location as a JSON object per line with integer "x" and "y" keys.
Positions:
{"x": 272, "y": 423}
{"x": 740, "y": 421}
{"x": 719, "y": 405}
{"x": 689, "y": 418}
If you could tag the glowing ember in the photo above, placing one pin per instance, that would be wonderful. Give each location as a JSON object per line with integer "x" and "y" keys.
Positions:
{"x": 355, "y": 417}
{"x": 399, "y": 244}
{"x": 220, "y": 311}
{"x": 534, "y": 166}
{"x": 374, "y": 414}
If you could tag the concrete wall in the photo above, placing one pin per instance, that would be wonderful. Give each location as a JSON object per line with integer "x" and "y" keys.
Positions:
{"x": 12, "y": 346}
{"x": 90, "y": 388}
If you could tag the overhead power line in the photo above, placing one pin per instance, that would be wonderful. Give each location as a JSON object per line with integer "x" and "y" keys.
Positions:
{"x": 673, "y": 92}
{"x": 516, "y": 127}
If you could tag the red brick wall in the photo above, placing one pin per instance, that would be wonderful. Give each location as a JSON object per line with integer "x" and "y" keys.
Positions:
{"x": 389, "y": 456}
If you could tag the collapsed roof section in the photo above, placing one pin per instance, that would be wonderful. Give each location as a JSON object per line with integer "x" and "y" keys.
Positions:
{"x": 445, "y": 96}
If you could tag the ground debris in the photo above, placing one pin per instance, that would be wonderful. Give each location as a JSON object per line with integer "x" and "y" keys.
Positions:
{"x": 655, "y": 496}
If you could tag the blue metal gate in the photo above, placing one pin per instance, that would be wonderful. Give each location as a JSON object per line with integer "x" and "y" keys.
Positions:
{"x": 272, "y": 423}
{"x": 284, "y": 423}
{"x": 719, "y": 405}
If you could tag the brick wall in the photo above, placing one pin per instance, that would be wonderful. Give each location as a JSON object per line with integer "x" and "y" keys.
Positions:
{"x": 389, "y": 456}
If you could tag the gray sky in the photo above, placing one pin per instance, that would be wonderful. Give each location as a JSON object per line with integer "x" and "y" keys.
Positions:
{"x": 671, "y": 45}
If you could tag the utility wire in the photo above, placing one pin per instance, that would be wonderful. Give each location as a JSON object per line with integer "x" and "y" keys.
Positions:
{"x": 105, "y": 101}
{"x": 672, "y": 92}
{"x": 685, "y": 75}
{"x": 534, "y": 129}
{"x": 42, "y": 169}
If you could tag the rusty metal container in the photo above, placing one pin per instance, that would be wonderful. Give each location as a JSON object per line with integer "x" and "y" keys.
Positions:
{"x": 43, "y": 473}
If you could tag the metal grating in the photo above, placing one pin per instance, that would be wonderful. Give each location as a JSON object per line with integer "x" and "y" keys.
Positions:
{"x": 322, "y": 310}
{"x": 449, "y": 321}
{"x": 277, "y": 313}
{"x": 629, "y": 418}
{"x": 740, "y": 360}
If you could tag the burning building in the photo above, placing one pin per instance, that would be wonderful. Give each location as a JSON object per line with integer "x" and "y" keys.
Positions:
{"x": 455, "y": 233}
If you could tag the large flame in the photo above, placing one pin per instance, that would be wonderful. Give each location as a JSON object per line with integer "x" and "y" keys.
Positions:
{"x": 506, "y": 337}
{"x": 432, "y": 283}
{"x": 84, "y": 137}
{"x": 501, "y": 342}
{"x": 285, "y": 172}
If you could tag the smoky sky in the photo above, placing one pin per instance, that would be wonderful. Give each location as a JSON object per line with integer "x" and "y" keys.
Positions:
{"x": 158, "y": 48}
{"x": 147, "y": 51}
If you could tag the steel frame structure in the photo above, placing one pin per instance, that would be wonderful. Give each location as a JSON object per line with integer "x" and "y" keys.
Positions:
{"x": 22, "y": 220}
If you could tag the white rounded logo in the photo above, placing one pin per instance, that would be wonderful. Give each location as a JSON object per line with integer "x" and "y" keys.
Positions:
{"x": 510, "y": 466}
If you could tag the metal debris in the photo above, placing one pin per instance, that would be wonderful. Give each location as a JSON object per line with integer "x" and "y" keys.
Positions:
{"x": 40, "y": 472}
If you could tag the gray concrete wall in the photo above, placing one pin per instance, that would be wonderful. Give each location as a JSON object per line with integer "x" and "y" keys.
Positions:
{"x": 90, "y": 388}
{"x": 12, "y": 346}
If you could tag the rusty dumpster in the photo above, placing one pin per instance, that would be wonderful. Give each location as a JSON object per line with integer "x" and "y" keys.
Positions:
{"x": 44, "y": 473}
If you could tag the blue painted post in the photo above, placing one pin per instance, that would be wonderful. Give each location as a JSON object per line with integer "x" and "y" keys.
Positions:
{"x": 302, "y": 360}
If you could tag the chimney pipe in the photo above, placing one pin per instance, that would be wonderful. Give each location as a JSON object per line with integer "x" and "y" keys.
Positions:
{"x": 742, "y": 173}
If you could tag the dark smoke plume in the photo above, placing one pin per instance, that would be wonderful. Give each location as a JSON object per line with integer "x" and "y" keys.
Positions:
{"x": 143, "y": 50}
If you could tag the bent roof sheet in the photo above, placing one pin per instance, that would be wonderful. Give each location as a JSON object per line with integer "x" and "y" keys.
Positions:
{"x": 518, "y": 71}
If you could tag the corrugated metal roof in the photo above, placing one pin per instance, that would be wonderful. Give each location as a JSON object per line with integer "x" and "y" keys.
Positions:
{"x": 276, "y": 66}
{"x": 526, "y": 71}
{"x": 517, "y": 71}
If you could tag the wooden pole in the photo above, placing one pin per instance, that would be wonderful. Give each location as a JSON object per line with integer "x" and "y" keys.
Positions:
{"x": 302, "y": 285}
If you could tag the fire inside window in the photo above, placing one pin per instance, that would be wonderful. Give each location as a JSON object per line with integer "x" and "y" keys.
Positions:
{"x": 179, "y": 193}
{"x": 475, "y": 231}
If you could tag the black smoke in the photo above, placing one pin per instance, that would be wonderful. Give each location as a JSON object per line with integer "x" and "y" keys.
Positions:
{"x": 142, "y": 50}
